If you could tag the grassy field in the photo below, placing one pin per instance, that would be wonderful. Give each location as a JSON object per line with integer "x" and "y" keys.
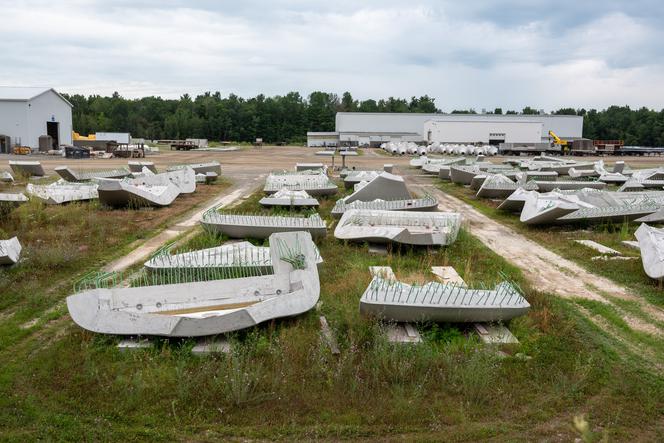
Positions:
{"x": 281, "y": 381}
{"x": 62, "y": 242}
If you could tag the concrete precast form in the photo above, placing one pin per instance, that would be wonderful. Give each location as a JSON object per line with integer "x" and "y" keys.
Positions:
{"x": 201, "y": 308}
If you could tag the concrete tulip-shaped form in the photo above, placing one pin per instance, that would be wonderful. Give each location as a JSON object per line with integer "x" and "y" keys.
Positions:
{"x": 203, "y": 308}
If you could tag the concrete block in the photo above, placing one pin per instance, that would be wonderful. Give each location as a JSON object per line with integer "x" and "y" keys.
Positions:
{"x": 209, "y": 346}
{"x": 492, "y": 334}
{"x": 402, "y": 333}
{"x": 134, "y": 343}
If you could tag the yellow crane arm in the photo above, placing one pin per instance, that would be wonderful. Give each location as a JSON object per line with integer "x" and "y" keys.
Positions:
{"x": 557, "y": 139}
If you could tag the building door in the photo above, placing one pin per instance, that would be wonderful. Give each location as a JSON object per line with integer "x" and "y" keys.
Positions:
{"x": 53, "y": 129}
{"x": 4, "y": 144}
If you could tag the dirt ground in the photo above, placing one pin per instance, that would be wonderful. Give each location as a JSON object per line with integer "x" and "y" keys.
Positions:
{"x": 247, "y": 161}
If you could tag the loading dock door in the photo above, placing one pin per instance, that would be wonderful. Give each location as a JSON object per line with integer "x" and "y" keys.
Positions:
{"x": 53, "y": 129}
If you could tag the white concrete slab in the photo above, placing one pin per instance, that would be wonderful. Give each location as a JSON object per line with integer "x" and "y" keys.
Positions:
{"x": 598, "y": 247}
{"x": 632, "y": 244}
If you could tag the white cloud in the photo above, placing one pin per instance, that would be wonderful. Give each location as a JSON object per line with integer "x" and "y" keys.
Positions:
{"x": 465, "y": 57}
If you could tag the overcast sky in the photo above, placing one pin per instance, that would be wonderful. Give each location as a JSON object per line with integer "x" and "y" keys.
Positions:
{"x": 480, "y": 54}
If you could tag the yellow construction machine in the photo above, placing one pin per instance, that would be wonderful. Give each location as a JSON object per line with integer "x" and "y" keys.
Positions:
{"x": 564, "y": 144}
{"x": 557, "y": 140}
{"x": 22, "y": 150}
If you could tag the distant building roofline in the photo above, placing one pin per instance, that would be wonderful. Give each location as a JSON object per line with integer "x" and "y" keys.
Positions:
{"x": 26, "y": 93}
{"x": 447, "y": 114}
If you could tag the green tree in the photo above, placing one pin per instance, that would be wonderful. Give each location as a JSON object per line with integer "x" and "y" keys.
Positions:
{"x": 347, "y": 103}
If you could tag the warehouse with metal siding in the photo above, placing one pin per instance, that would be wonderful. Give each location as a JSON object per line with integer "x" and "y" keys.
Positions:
{"x": 486, "y": 131}
{"x": 364, "y": 128}
{"x": 29, "y": 113}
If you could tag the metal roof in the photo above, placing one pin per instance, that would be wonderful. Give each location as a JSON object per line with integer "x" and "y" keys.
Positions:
{"x": 23, "y": 93}
{"x": 458, "y": 115}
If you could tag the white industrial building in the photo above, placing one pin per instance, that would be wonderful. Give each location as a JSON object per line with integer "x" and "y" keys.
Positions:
{"x": 322, "y": 139}
{"x": 374, "y": 128}
{"x": 486, "y": 131}
{"x": 117, "y": 137}
{"x": 28, "y": 113}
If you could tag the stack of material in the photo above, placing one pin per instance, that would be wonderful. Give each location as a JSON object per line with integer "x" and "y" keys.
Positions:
{"x": 200, "y": 307}
{"x": 412, "y": 228}
{"x": 586, "y": 205}
{"x": 260, "y": 226}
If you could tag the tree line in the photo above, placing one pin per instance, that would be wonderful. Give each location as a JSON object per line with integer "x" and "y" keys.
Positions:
{"x": 287, "y": 118}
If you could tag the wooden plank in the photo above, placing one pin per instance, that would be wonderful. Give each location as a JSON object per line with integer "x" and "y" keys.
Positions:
{"x": 402, "y": 333}
{"x": 206, "y": 308}
{"x": 447, "y": 274}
